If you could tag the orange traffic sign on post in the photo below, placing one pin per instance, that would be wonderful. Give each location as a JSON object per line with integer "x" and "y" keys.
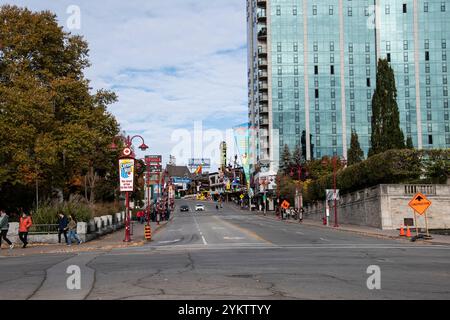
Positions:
{"x": 285, "y": 205}
{"x": 420, "y": 203}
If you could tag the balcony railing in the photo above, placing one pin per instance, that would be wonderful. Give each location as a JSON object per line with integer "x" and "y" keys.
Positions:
{"x": 262, "y": 34}
{"x": 261, "y": 15}
{"x": 262, "y": 74}
{"x": 263, "y": 109}
{"x": 262, "y": 51}
{"x": 263, "y": 86}
{"x": 263, "y": 97}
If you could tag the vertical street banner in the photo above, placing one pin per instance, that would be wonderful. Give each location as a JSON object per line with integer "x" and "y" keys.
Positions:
{"x": 241, "y": 136}
{"x": 126, "y": 168}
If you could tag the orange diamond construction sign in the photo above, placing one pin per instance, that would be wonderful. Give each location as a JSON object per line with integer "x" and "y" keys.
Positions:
{"x": 420, "y": 203}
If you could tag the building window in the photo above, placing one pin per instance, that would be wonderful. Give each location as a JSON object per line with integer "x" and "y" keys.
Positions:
{"x": 442, "y": 6}
{"x": 444, "y": 67}
{"x": 350, "y": 59}
{"x": 427, "y": 68}
{"x": 387, "y": 9}
{"x": 316, "y": 58}
{"x": 427, "y": 56}
{"x": 295, "y": 71}
{"x": 405, "y": 57}
{"x": 278, "y": 10}
{"x": 331, "y": 58}
{"x": 425, "y": 7}
{"x": 295, "y": 47}
{"x": 296, "y": 59}
{"x": 350, "y": 11}
{"x": 406, "y": 81}
{"x": 429, "y": 116}
{"x": 350, "y": 47}
{"x": 316, "y": 69}
{"x": 316, "y": 93}
{"x": 388, "y": 46}
{"x": 331, "y": 69}
{"x": 368, "y": 82}
{"x": 332, "y": 46}
{"x": 331, "y": 10}
{"x": 430, "y": 128}
{"x": 352, "y": 72}
{"x": 406, "y": 68}
{"x": 405, "y": 45}
{"x": 279, "y": 59}
{"x": 388, "y": 57}
{"x": 280, "y": 105}
{"x": 297, "y": 105}
{"x": 444, "y": 44}
{"x": 314, "y": 10}
{"x": 294, "y": 11}
{"x": 315, "y": 46}
{"x": 427, "y": 44}
{"x": 278, "y": 46}
{"x": 405, "y": 8}
{"x": 280, "y": 83}
{"x": 280, "y": 71}
{"x": 296, "y": 82}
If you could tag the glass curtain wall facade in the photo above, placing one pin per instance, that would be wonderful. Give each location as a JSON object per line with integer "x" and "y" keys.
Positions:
{"x": 312, "y": 72}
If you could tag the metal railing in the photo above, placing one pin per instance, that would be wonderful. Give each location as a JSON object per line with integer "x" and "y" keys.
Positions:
{"x": 425, "y": 189}
{"x": 44, "y": 229}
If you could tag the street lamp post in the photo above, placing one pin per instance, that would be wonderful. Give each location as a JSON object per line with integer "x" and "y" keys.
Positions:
{"x": 334, "y": 161}
{"x": 127, "y": 153}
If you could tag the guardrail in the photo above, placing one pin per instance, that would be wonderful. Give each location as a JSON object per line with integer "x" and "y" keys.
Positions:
{"x": 43, "y": 229}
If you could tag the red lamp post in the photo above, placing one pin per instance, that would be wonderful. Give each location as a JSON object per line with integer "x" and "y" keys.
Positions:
{"x": 335, "y": 162}
{"x": 128, "y": 153}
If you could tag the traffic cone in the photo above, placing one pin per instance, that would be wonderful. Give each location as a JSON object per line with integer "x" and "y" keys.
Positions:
{"x": 408, "y": 232}
{"x": 402, "y": 231}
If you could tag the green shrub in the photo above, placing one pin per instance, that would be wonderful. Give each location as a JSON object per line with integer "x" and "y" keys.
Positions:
{"x": 76, "y": 207}
{"x": 393, "y": 166}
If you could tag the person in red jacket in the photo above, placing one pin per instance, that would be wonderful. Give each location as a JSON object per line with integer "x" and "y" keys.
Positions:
{"x": 24, "y": 225}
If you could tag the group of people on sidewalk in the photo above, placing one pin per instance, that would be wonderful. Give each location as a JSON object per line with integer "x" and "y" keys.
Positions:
{"x": 25, "y": 224}
{"x": 66, "y": 227}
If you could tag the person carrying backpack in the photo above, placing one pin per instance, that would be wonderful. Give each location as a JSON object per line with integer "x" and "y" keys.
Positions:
{"x": 25, "y": 224}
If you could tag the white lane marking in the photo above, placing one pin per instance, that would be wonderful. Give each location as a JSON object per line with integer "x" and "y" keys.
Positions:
{"x": 325, "y": 240}
{"x": 200, "y": 232}
{"x": 233, "y": 238}
{"x": 298, "y": 232}
{"x": 170, "y": 241}
{"x": 218, "y": 228}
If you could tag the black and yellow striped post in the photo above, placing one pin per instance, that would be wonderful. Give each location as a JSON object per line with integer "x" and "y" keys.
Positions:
{"x": 148, "y": 233}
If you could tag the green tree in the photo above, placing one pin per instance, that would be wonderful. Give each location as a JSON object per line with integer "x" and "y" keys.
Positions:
{"x": 386, "y": 132}
{"x": 409, "y": 143}
{"x": 355, "y": 153}
{"x": 286, "y": 160}
{"x": 54, "y": 131}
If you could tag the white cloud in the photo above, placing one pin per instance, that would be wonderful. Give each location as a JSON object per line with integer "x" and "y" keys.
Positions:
{"x": 171, "y": 62}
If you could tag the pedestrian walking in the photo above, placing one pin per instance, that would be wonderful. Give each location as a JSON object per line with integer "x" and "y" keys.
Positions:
{"x": 73, "y": 231}
{"x": 4, "y": 227}
{"x": 62, "y": 227}
{"x": 25, "y": 224}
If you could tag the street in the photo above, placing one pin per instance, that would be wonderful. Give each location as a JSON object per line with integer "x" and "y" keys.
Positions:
{"x": 234, "y": 254}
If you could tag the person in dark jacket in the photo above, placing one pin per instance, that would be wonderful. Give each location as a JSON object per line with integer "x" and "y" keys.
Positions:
{"x": 62, "y": 227}
{"x": 4, "y": 227}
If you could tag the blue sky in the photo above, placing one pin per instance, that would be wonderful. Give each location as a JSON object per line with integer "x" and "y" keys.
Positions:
{"x": 171, "y": 62}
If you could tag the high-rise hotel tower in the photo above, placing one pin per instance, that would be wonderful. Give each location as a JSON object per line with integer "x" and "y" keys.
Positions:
{"x": 312, "y": 72}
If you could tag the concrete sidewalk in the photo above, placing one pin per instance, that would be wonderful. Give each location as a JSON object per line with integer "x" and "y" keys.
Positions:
{"x": 366, "y": 231}
{"x": 107, "y": 242}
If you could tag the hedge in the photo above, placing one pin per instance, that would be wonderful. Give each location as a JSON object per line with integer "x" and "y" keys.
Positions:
{"x": 393, "y": 166}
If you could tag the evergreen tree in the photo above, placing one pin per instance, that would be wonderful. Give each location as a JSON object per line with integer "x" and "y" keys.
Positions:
{"x": 409, "y": 143}
{"x": 355, "y": 153}
{"x": 286, "y": 160}
{"x": 386, "y": 132}
{"x": 297, "y": 157}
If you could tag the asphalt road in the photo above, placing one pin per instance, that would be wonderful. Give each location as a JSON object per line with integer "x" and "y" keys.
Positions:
{"x": 232, "y": 254}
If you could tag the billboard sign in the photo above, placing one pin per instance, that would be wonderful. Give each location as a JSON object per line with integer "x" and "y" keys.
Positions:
{"x": 195, "y": 163}
{"x": 126, "y": 168}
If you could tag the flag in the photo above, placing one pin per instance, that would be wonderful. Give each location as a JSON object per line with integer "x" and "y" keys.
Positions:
{"x": 199, "y": 170}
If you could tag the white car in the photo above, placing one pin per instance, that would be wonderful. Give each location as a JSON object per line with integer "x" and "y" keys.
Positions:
{"x": 199, "y": 207}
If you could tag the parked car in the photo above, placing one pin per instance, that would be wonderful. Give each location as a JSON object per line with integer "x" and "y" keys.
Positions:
{"x": 199, "y": 207}
{"x": 184, "y": 208}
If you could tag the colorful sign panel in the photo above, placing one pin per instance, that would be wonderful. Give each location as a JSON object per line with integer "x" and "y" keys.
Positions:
{"x": 126, "y": 173}
{"x": 195, "y": 163}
